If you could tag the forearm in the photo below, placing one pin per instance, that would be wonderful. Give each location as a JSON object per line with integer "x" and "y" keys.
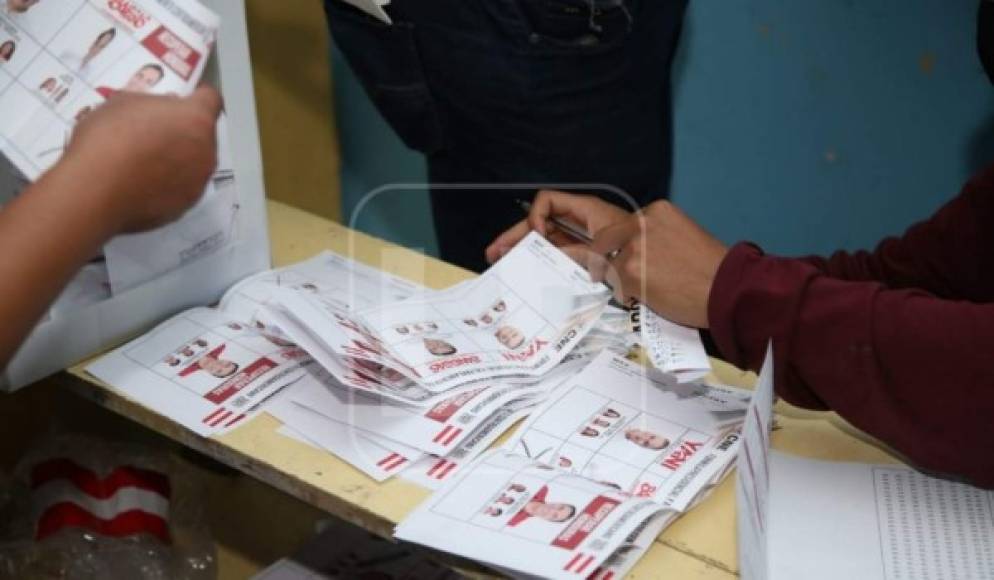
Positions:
{"x": 46, "y": 235}
{"x": 905, "y": 366}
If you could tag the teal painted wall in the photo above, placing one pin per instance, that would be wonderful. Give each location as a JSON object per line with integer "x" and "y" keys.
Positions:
{"x": 373, "y": 158}
{"x": 803, "y": 126}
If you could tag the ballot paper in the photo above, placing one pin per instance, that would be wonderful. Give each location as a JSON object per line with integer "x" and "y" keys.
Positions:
{"x": 453, "y": 432}
{"x": 370, "y": 455}
{"x": 71, "y": 55}
{"x": 437, "y": 430}
{"x": 516, "y": 321}
{"x": 202, "y": 369}
{"x": 341, "y": 286}
{"x": 752, "y": 489}
{"x": 367, "y": 451}
{"x": 187, "y": 396}
{"x": 526, "y": 517}
{"x": 636, "y": 430}
{"x": 432, "y": 471}
{"x": 367, "y": 369}
{"x": 672, "y": 348}
{"x": 821, "y": 520}
{"x": 348, "y": 284}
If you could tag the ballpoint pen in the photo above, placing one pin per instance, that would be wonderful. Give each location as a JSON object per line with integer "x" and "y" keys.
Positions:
{"x": 579, "y": 234}
{"x": 569, "y": 228}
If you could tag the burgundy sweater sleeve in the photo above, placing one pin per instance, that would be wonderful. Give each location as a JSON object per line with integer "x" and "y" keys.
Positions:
{"x": 904, "y": 365}
{"x": 949, "y": 255}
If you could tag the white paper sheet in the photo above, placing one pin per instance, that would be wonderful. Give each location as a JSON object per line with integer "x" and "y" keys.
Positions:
{"x": 672, "y": 348}
{"x": 375, "y": 456}
{"x": 202, "y": 369}
{"x": 433, "y": 471}
{"x": 348, "y": 284}
{"x": 71, "y": 55}
{"x": 876, "y": 522}
{"x": 437, "y": 430}
{"x": 511, "y": 512}
{"x": 643, "y": 433}
{"x": 752, "y": 489}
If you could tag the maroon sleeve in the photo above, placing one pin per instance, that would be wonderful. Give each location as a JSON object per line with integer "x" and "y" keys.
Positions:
{"x": 949, "y": 255}
{"x": 906, "y": 366}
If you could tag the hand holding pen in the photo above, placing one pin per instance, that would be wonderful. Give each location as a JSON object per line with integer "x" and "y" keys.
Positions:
{"x": 565, "y": 219}
{"x": 568, "y": 221}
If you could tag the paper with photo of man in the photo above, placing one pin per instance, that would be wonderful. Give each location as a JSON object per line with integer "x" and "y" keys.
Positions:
{"x": 203, "y": 369}
{"x": 637, "y": 430}
{"x": 523, "y": 516}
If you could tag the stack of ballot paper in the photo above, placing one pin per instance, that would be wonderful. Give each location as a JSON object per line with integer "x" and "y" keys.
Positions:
{"x": 584, "y": 486}
{"x": 386, "y": 374}
{"x": 397, "y": 379}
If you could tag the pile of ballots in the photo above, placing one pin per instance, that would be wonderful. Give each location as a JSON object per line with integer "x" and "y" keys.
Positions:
{"x": 400, "y": 380}
{"x": 422, "y": 385}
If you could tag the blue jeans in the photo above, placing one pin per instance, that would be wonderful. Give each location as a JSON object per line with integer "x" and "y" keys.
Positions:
{"x": 539, "y": 92}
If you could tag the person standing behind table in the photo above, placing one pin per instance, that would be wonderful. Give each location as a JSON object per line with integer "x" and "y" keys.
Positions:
{"x": 135, "y": 164}
{"x": 519, "y": 92}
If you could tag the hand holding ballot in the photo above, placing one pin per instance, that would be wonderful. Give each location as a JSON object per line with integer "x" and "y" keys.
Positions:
{"x": 153, "y": 153}
{"x": 137, "y": 163}
{"x": 588, "y": 212}
{"x": 658, "y": 256}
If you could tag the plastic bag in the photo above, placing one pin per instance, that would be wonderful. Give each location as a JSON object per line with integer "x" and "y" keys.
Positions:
{"x": 80, "y": 508}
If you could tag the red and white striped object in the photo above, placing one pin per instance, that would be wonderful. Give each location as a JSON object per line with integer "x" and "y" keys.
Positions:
{"x": 391, "y": 462}
{"x": 128, "y": 501}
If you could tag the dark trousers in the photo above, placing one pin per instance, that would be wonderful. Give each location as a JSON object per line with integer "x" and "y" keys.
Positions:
{"x": 573, "y": 94}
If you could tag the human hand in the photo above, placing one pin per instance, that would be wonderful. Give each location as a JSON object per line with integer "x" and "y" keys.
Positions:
{"x": 150, "y": 155}
{"x": 663, "y": 260}
{"x": 588, "y": 212}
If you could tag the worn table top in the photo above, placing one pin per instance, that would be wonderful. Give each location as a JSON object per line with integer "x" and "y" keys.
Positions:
{"x": 699, "y": 545}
